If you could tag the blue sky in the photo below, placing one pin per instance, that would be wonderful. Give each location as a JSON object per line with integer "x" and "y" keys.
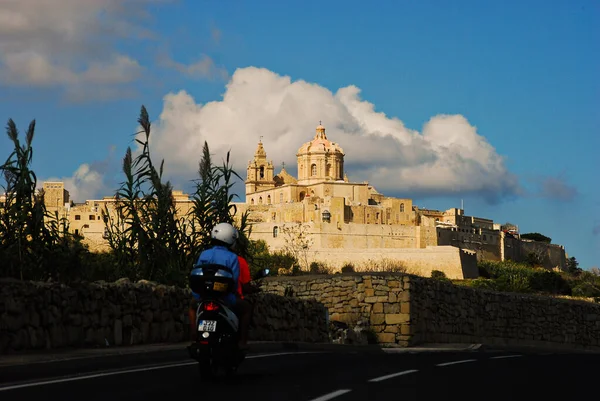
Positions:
{"x": 522, "y": 74}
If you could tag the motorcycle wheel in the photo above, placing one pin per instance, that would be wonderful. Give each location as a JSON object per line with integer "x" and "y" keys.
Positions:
{"x": 208, "y": 368}
{"x": 231, "y": 371}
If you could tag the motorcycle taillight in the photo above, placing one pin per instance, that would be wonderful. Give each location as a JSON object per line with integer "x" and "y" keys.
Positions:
{"x": 210, "y": 306}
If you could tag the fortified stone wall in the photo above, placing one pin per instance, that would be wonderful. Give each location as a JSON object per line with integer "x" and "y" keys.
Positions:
{"x": 454, "y": 262}
{"x": 49, "y": 315}
{"x": 405, "y": 310}
{"x": 550, "y": 255}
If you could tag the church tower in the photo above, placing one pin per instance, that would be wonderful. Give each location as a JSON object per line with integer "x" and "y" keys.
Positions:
{"x": 259, "y": 172}
{"x": 320, "y": 160}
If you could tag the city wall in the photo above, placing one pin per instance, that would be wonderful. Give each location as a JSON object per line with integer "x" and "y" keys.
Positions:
{"x": 49, "y": 315}
{"x": 454, "y": 262}
{"x": 550, "y": 255}
{"x": 406, "y": 310}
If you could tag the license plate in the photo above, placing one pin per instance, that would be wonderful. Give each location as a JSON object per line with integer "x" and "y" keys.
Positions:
{"x": 207, "y": 325}
{"x": 220, "y": 287}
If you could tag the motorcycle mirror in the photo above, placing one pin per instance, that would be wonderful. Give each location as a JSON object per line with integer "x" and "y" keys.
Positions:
{"x": 263, "y": 273}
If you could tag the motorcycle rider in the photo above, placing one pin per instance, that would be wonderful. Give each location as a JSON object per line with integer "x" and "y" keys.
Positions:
{"x": 223, "y": 239}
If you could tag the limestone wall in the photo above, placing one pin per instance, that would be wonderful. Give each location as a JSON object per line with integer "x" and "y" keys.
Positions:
{"x": 454, "y": 262}
{"x": 406, "y": 310}
{"x": 444, "y": 313}
{"x": 550, "y": 255}
{"x": 381, "y": 299}
{"x": 486, "y": 243}
{"x": 43, "y": 316}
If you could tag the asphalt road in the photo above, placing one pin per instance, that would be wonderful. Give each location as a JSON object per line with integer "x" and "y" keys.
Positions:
{"x": 316, "y": 376}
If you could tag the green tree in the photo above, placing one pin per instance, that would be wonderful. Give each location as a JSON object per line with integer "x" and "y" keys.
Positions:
{"x": 537, "y": 237}
{"x": 298, "y": 242}
{"x": 573, "y": 266}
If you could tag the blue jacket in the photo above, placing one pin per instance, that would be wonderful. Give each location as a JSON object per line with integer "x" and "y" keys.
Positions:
{"x": 222, "y": 256}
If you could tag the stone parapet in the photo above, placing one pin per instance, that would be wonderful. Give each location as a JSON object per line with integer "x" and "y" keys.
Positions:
{"x": 52, "y": 316}
{"x": 406, "y": 310}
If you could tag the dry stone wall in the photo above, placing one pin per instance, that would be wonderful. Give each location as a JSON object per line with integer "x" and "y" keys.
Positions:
{"x": 50, "y": 315}
{"x": 382, "y": 299}
{"x": 405, "y": 310}
{"x": 442, "y": 312}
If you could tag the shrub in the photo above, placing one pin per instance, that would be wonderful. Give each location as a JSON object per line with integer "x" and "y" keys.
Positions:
{"x": 587, "y": 290}
{"x": 517, "y": 277}
{"x": 439, "y": 275}
{"x": 483, "y": 283}
{"x": 384, "y": 265}
{"x": 320, "y": 268}
{"x": 348, "y": 268}
{"x": 549, "y": 281}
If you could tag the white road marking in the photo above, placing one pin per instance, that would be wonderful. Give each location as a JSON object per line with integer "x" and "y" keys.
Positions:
{"x": 456, "y": 362}
{"x": 505, "y": 356}
{"x": 382, "y": 378}
{"x": 144, "y": 369}
{"x": 331, "y": 395}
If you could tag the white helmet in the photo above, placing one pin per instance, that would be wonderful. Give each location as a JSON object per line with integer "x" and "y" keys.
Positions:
{"x": 224, "y": 232}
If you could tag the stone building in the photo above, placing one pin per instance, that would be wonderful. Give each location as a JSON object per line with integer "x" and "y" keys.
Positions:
{"x": 347, "y": 222}
{"x": 352, "y": 221}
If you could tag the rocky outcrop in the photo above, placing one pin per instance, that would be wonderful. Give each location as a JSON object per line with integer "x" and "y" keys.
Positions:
{"x": 404, "y": 310}
{"x": 50, "y": 315}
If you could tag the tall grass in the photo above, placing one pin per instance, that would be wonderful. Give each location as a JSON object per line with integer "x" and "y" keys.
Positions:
{"x": 34, "y": 244}
{"x": 148, "y": 235}
{"x": 149, "y": 238}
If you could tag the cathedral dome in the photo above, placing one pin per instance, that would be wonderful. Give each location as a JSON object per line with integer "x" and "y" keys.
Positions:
{"x": 320, "y": 144}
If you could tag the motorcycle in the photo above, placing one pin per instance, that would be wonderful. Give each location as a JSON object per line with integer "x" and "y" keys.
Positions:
{"x": 216, "y": 344}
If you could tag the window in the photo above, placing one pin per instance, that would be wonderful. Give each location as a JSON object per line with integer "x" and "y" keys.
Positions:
{"x": 401, "y": 207}
{"x": 260, "y": 200}
{"x": 77, "y": 217}
{"x": 92, "y": 217}
{"x": 262, "y": 172}
{"x": 252, "y": 201}
{"x": 328, "y": 170}
{"x": 313, "y": 170}
{"x": 275, "y": 231}
{"x": 268, "y": 199}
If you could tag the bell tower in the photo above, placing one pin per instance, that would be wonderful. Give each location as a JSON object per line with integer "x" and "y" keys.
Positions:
{"x": 260, "y": 171}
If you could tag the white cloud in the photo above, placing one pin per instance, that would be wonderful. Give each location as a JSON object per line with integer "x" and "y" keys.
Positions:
{"x": 204, "y": 68}
{"x": 448, "y": 155}
{"x": 69, "y": 43}
{"x": 92, "y": 180}
{"x": 86, "y": 183}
